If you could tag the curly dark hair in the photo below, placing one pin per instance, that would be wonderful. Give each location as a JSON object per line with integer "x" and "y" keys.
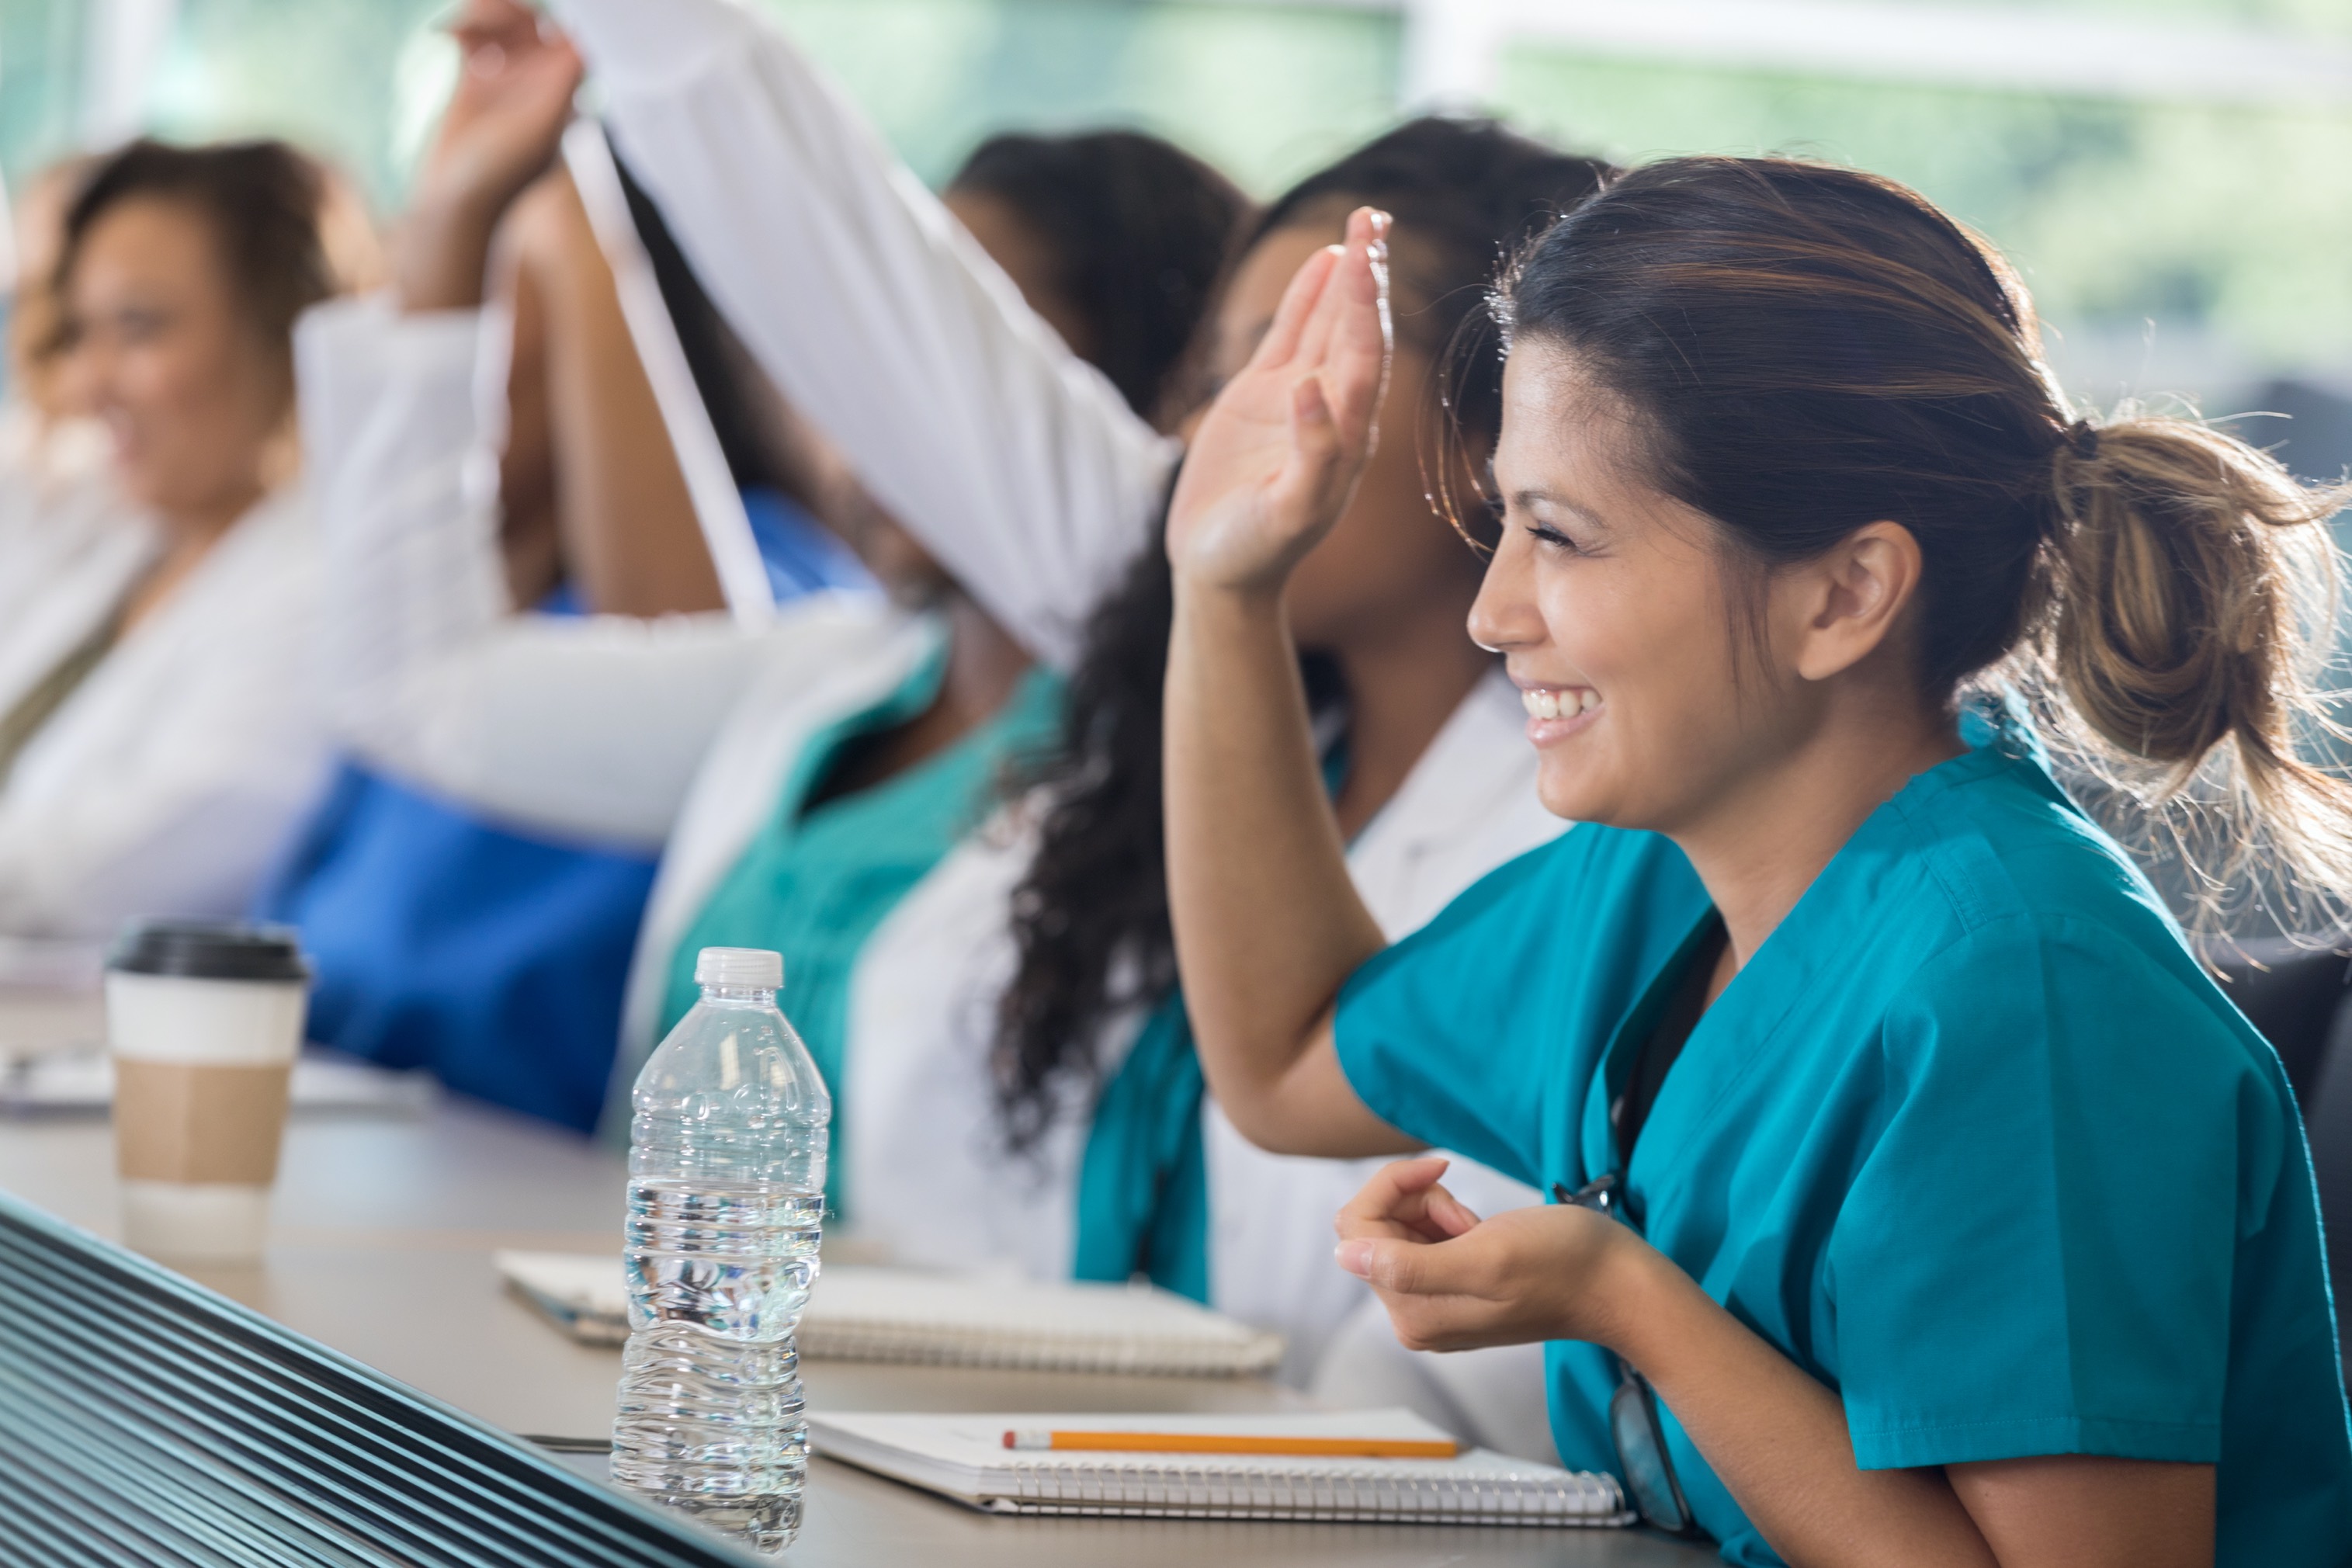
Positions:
{"x": 1090, "y": 919}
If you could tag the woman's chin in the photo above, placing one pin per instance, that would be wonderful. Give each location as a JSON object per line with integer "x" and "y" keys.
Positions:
{"x": 1567, "y": 792}
{"x": 138, "y": 485}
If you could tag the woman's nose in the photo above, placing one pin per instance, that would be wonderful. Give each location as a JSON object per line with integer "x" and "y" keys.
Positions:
{"x": 1504, "y": 617}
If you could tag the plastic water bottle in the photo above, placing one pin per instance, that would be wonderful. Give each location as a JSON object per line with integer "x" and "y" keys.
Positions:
{"x": 726, "y": 1201}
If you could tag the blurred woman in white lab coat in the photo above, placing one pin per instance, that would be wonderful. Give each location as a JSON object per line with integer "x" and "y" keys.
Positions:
{"x": 59, "y": 504}
{"x": 159, "y": 730}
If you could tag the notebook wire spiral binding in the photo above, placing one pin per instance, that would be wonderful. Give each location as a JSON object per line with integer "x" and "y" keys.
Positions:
{"x": 1335, "y": 1494}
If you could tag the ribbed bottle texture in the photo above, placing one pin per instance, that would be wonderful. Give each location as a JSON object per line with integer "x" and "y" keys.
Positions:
{"x": 725, "y": 1209}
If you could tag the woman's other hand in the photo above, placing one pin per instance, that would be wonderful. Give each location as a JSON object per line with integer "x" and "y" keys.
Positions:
{"x": 503, "y": 128}
{"x": 1453, "y": 1281}
{"x": 1272, "y": 465}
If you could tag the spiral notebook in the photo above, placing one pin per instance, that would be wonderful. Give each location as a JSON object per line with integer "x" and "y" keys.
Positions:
{"x": 944, "y": 1320}
{"x": 964, "y": 1458}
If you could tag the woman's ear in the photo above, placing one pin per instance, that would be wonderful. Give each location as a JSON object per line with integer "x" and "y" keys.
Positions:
{"x": 1842, "y": 605}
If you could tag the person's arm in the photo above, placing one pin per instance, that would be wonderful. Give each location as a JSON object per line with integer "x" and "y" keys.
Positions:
{"x": 592, "y": 727}
{"x": 1019, "y": 466}
{"x": 2065, "y": 1273}
{"x": 1778, "y": 1440}
{"x": 630, "y": 542}
{"x": 1268, "y": 920}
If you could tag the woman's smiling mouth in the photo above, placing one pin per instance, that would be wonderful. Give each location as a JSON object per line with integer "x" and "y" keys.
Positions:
{"x": 1555, "y": 712}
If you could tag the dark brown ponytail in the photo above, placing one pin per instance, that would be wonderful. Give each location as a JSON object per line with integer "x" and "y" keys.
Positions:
{"x": 2192, "y": 584}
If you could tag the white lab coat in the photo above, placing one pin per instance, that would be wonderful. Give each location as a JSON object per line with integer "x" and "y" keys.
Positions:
{"x": 62, "y": 521}
{"x": 171, "y": 779}
{"x": 1018, "y": 467}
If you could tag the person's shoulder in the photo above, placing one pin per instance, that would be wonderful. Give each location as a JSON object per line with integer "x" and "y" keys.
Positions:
{"x": 1589, "y": 884}
{"x": 262, "y": 583}
{"x": 2001, "y": 843}
{"x": 2032, "y": 896}
{"x": 829, "y": 618}
{"x": 2088, "y": 989}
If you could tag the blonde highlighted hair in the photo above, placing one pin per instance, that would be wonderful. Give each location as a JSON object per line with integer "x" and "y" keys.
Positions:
{"x": 2183, "y": 656}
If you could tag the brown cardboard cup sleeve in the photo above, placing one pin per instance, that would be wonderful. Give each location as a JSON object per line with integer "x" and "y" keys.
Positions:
{"x": 208, "y": 1122}
{"x": 203, "y": 1021}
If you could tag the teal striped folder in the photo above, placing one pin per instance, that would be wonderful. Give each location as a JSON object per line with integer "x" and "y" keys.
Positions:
{"x": 145, "y": 1420}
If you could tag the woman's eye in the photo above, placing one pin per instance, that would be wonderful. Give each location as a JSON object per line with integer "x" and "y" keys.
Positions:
{"x": 139, "y": 326}
{"x": 1545, "y": 533}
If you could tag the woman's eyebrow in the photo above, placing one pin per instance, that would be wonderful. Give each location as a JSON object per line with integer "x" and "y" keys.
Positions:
{"x": 1523, "y": 499}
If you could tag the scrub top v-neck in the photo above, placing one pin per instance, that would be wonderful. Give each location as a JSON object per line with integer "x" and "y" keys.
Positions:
{"x": 817, "y": 879}
{"x": 1970, "y": 1137}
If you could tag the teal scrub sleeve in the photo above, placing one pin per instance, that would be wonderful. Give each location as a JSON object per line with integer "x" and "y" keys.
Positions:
{"x": 1143, "y": 1180}
{"x": 1441, "y": 1033}
{"x": 2035, "y": 1254}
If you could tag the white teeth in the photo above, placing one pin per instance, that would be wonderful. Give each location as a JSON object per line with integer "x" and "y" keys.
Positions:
{"x": 1553, "y": 704}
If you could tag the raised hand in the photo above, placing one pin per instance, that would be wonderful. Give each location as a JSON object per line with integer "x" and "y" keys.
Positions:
{"x": 1273, "y": 463}
{"x": 503, "y": 128}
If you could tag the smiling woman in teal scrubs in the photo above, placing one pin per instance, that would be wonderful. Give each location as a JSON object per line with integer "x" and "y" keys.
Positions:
{"x": 1924, "y": 1201}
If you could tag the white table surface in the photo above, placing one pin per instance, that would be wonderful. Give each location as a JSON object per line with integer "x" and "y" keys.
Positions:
{"x": 383, "y": 1233}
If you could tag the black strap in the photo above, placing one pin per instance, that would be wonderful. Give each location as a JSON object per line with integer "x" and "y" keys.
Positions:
{"x": 1660, "y": 1051}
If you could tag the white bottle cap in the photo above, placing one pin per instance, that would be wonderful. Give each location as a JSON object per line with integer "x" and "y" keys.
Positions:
{"x": 739, "y": 968}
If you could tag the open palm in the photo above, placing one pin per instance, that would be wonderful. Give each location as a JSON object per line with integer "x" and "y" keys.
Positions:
{"x": 513, "y": 99}
{"x": 1273, "y": 464}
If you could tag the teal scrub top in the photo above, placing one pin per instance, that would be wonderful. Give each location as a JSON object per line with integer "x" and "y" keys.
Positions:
{"x": 814, "y": 884}
{"x": 1970, "y": 1137}
{"x": 1143, "y": 1182}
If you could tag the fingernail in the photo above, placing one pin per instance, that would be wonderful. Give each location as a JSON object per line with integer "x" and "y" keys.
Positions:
{"x": 1356, "y": 1257}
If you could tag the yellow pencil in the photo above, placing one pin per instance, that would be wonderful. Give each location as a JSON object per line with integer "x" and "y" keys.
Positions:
{"x": 1215, "y": 1443}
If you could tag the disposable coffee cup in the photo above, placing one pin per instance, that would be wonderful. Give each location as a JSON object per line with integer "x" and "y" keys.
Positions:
{"x": 204, "y": 1022}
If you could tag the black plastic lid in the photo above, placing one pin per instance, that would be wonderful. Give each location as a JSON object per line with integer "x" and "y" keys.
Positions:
{"x": 210, "y": 949}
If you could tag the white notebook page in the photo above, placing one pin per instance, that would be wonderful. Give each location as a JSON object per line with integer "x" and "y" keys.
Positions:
{"x": 859, "y": 1313}
{"x": 964, "y": 1458}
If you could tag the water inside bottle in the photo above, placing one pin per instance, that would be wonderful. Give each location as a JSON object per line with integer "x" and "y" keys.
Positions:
{"x": 726, "y": 1203}
{"x": 737, "y": 1262}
